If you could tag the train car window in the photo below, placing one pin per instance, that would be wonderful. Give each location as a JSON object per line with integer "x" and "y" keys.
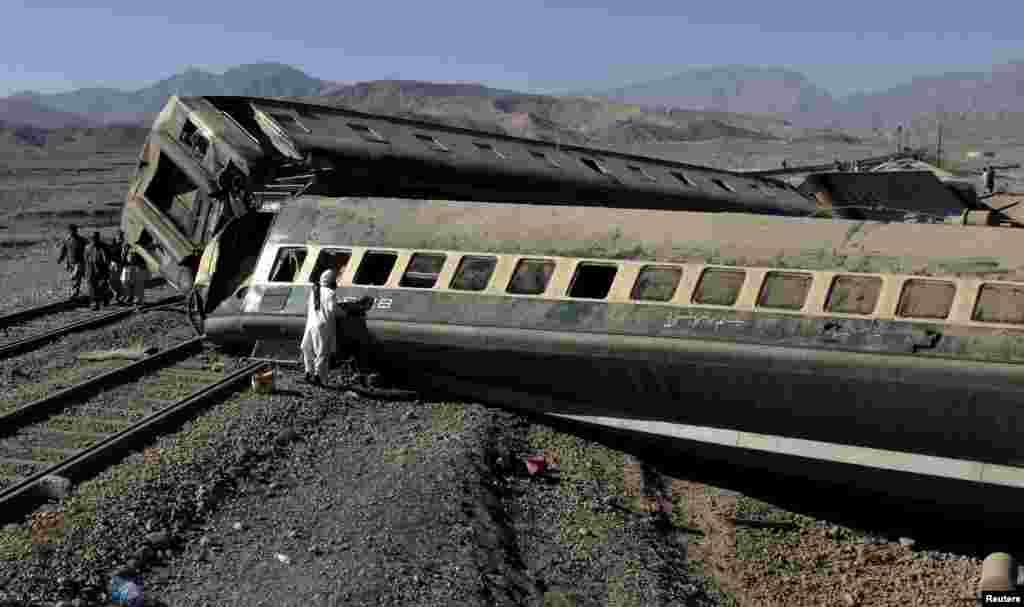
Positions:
{"x": 656, "y": 283}
{"x": 422, "y": 270}
{"x": 431, "y": 141}
{"x": 174, "y": 193}
{"x": 592, "y": 281}
{"x": 194, "y": 140}
{"x": 784, "y": 290}
{"x": 926, "y": 299}
{"x": 531, "y": 276}
{"x": 725, "y": 186}
{"x": 545, "y": 158}
{"x": 640, "y": 172}
{"x": 375, "y": 268}
{"x": 473, "y": 273}
{"x": 289, "y": 122}
{"x": 719, "y": 287}
{"x": 287, "y": 264}
{"x": 683, "y": 179}
{"x": 367, "y": 133}
{"x": 1000, "y": 303}
{"x": 851, "y": 294}
{"x": 487, "y": 147}
{"x": 331, "y": 259}
{"x": 594, "y": 165}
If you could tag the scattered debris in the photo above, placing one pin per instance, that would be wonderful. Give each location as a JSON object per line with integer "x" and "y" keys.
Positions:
{"x": 55, "y": 487}
{"x": 536, "y": 464}
{"x": 120, "y": 353}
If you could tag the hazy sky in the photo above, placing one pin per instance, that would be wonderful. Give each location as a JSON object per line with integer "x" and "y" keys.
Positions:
{"x": 50, "y": 45}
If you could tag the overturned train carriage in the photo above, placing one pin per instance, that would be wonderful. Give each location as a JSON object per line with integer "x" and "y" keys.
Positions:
{"x": 885, "y": 357}
{"x": 210, "y": 161}
{"x": 585, "y": 285}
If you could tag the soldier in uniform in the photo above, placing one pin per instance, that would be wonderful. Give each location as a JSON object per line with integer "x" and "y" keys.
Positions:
{"x": 97, "y": 271}
{"x": 72, "y": 253}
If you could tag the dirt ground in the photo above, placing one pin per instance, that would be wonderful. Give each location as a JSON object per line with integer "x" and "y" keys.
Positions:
{"x": 369, "y": 505}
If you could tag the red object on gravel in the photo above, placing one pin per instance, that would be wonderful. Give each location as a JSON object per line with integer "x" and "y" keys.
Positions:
{"x": 535, "y": 464}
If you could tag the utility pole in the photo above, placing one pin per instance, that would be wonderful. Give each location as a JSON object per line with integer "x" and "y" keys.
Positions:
{"x": 938, "y": 151}
{"x": 899, "y": 138}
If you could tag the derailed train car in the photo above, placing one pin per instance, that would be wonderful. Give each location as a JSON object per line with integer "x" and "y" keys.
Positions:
{"x": 882, "y": 356}
{"x": 885, "y": 357}
{"x": 211, "y": 161}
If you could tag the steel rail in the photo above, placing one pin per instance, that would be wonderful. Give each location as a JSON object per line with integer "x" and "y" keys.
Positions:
{"x": 34, "y": 312}
{"x": 16, "y": 499}
{"x": 14, "y": 420}
{"x": 34, "y": 341}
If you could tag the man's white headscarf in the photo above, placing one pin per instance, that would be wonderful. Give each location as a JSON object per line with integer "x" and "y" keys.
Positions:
{"x": 327, "y": 279}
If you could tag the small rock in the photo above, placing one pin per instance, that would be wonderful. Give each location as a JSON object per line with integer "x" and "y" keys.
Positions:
{"x": 237, "y": 526}
{"x": 849, "y": 599}
{"x": 907, "y": 542}
{"x": 158, "y": 539}
{"x": 144, "y": 554}
{"x": 55, "y": 487}
{"x": 283, "y": 558}
{"x": 350, "y": 395}
{"x": 286, "y": 436}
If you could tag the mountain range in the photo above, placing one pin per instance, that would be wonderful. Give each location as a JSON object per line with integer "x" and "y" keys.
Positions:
{"x": 728, "y": 100}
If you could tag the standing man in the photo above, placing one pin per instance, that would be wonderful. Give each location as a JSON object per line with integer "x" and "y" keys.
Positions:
{"x": 134, "y": 277}
{"x": 990, "y": 179}
{"x": 321, "y": 329}
{"x": 97, "y": 271}
{"x": 116, "y": 254}
{"x": 72, "y": 253}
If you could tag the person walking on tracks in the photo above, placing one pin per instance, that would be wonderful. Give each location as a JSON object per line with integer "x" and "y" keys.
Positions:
{"x": 72, "y": 253}
{"x": 321, "y": 329}
{"x": 97, "y": 271}
{"x": 133, "y": 278}
{"x": 117, "y": 259}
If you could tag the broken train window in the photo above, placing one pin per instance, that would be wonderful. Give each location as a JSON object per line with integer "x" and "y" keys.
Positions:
{"x": 287, "y": 264}
{"x": 656, "y": 283}
{"x": 375, "y": 268}
{"x": 473, "y": 273}
{"x": 422, "y": 271}
{"x": 330, "y": 259}
{"x": 531, "y": 276}
{"x": 196, "y": 143}
{"x": 592, "y": 280}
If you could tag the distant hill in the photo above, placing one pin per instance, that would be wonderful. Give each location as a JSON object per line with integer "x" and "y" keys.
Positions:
{"x": 792, "y": 96}
{"x": 998, "y": 90}
{"x": 564, "y": 119}
{"x": 105, "y": 105}
{"x": 730, "y": 101}
{"x": 733, "y": 88}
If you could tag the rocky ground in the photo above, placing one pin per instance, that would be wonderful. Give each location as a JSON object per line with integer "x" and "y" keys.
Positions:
{"x": 348, "y": 496}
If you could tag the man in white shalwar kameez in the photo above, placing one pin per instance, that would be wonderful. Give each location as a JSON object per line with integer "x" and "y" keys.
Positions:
{"x": 321, "y": 328}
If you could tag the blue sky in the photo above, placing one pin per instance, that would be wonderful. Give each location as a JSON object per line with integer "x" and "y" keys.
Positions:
{"x": 531, "y": 45}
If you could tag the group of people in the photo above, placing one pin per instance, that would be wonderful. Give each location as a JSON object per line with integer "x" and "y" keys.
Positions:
{"x": 111, "y": 271}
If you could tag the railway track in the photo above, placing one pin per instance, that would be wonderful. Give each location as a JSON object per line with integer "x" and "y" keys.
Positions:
{"x": 78, "y": 431}
{"x": 35, "y": 327}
